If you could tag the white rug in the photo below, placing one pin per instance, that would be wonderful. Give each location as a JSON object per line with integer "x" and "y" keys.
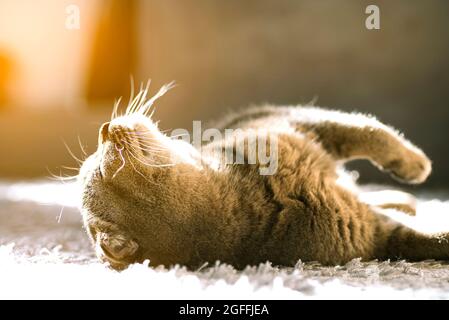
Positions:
{"x": 45, "y": 253}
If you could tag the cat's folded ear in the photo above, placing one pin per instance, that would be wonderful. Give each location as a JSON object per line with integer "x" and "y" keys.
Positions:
{"x": 103, "y": 133}
{"x": 116, "y": 248}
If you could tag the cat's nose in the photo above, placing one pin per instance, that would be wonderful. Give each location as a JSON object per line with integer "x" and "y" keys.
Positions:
{"x": 104, "y": 132}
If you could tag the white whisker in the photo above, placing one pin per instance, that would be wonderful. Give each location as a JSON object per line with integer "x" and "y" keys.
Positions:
{"x": 60, "y": 215}
{"x": 70, "y": 168}
{"x": 60, "y": 177}
{"x": 71, "y": 153}
{"x": 145, "y": 148}
{"x": 123, "y": 160}
{"x": 180, "y": 135}
{"x": 81, "y": 146}
{"x": 146, "y": 107}
{"x": 115, "y": 109}
{"x": 150, "y": 146}
{"x": 131, "y": 93}
{"x": 135, "y": 169}
{"x": 149, "y": 164}
{"x": 133, "y": 103}
{"x": 144, "y": 141}
{"x": 133, "y": 152}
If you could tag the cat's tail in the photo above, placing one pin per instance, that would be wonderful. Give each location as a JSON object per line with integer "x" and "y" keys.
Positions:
{"x": 397, "y": 241}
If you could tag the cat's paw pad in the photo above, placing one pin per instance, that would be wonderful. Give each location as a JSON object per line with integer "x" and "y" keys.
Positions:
{"x": 414, "y": 168}
{"x": 115, "y": 248}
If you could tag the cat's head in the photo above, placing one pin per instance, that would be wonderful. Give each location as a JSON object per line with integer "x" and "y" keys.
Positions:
{"x": 127, "y": 184}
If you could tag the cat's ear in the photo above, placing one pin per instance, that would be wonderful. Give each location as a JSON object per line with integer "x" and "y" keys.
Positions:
{"x": 103, "y": 133}
{"x": 115, "y": 248}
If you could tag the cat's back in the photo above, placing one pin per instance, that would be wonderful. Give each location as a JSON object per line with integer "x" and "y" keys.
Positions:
{"x": 253, "y": 117}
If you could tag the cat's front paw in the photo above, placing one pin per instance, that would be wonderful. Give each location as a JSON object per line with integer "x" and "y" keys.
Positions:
{"x": 116, "y": 249}
{"x": 413, "y": 168}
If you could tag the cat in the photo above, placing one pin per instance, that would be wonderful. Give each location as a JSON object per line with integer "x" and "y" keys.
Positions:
{"x": 146, "y": 196}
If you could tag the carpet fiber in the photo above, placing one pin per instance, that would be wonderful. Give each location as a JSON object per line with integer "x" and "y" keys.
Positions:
{"x": 45, "y": 253}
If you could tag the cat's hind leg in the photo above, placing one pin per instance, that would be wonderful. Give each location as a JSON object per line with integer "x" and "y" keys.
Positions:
{"x": 397, "y": 241}
{"x": 349, "y": 136}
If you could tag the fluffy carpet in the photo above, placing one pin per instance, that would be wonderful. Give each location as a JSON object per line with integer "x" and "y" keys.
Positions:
{"x": 45, "y": 253}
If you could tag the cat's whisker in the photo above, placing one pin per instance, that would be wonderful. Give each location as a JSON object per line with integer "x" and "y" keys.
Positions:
{"x": 146, "y": 150}
{"x": 81, "y": 146}
{"x": 179, "y": 135}
{"x": 131, "y": 106}
{"x": 144, "y": 131}
{"x": 140, "y": 173}
{"x": 153, "y": 153}
{"x": 149, "y": 164}
{"x": 115, "y": 109}
{"x": 60, "y": 177}
{"x": 152, "y": 146}
{"x": 146, "y": 107}
{"x": 59, "y": 217}
{"x": 72, "y": 154}
{"x": 143, "y": 98}
{"x": 119, "y": 150}
{"x": 146, "y": 142}
{"x": 70, "y": 168}
{"x": 131, "y": 93}
{"x": 137, "y": 103}
{"x": 143, "y": 134}
{"x": 145, "y": 147}
{"x": 143, "y": 163}
{"x": 138, "y": 131}
{"x": 142, "y": 137}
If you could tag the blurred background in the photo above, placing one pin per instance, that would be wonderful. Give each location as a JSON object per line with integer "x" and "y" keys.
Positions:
{"x": 59, "y": 79}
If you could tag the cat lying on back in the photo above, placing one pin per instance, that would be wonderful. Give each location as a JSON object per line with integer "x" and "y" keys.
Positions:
{"x": 147, "y": 196}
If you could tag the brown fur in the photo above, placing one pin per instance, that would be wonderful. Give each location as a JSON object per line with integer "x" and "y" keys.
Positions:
{"x": 191, "y": 212}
